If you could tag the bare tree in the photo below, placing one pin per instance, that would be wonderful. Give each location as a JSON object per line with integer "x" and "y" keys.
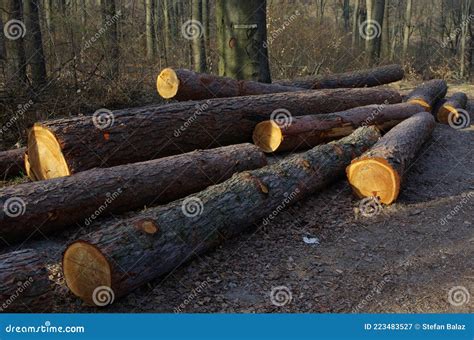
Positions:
{"x": 149, "y": 29}
{"x": 198, "y": 43}
{"x": 110, "y": 20}
{"x": 407, "y": 30}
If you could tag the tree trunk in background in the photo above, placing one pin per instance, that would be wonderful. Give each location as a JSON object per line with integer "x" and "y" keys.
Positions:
{"x": 166, "y": 28}
{"x": 242, "y": 36}
{"x": 3, "y": 47}
{"x": 16, "y": 49}
{"x": 158, "y": 29}
{"x": 355, "y": 24}
{"x": 464, "y": 62}
{"x": 149, "y": 29}
{"x": 386, "y": 31}
{"x": 346, "y": 15}
{"x": 406, "y": 32}
{"x": 198, "y": 43}
{"x": 206, "y": 15}
{"x": 47, "y": 13}
{"x": 110, "y": 19}
{"x": 369, "y": 4}
{"x": 377, "y": 24}
{"x": 35, "y": 43}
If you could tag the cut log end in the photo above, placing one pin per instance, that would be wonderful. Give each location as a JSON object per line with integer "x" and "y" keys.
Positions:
{"x": 443, "y": 113}
{"x": 421, "y": 102}
{"x": 85, "y": 268}
{"x": 374, "y": 177}
{"x": 267, "y": 136}
{"x": 167, "y": 83}
{"x": 45, "y": 157}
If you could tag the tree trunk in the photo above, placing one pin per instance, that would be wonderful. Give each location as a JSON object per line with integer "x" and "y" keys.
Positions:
{"x": 407, "y": 30}
{"x": 166, "y": 28}
{"x": 198, "y": 42}
{"x": 379, "y": 172}
{"x": 386, "y": 31}
{"x": 374, "y": 36}
{"x": 369, "y": 4}
{"x": 465, "y": 30}
{"x": 363, "y": 78}
{"x": 65, "y": 146}
{"x": 70, "y": 201}
{"x": 149, "y": 29}
{"x": 16, "y": 47}
{"x": 450, "y": 107}
{"x": 25, "y": 283}
{"x": 183, "y": 84}
{"x": 308, "y": 131}
{"x": 346, "y": 15}
{"x": 124, "y": 256}
{"x": 355, "y": 25}
{"x": 206, "y": 15}
{"x": 110, "y": 20}
{"x": 35, "y": 43}
{"x": 11, "y": 163}
{"x": 242, "y": 35}
{"x": 429, "y": 93}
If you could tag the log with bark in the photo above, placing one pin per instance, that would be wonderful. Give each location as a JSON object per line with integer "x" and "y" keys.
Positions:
{"x": 428, "y": 93}
{"x": 52, "y": 205}
{"x": 309, "y": 131}
{"x": 11, "y": 163}
{"x": 184, "y": 84}
{"x": 451, "y": 107}
{"x": 380, "y": 171}
{"x": 126, "y": 255}
{"x": 363, "y": 78}
{"x": 25, "y": 284}
{"x": 65, "y": 146}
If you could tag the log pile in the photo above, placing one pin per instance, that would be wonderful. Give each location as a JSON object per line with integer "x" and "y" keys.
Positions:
{"x": 186, "y": 164}
{"x": 451, "y": 107}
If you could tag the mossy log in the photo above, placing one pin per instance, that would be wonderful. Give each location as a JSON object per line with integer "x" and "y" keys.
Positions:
{"x": 128, "y": 254}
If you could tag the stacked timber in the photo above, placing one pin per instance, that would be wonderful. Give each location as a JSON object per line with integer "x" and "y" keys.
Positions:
{"x": 63, "y": 147}
{"x": 380, "y": 171}
{"x": 307, "y": 131}
{"x": 52, "y": 205}
{"x": 451, "y": 108}
{"x": 123, "y": 256}
{"x": 11, "y": 162}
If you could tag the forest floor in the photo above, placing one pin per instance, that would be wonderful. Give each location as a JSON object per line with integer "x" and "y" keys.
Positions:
{"x": 406, "y": 258}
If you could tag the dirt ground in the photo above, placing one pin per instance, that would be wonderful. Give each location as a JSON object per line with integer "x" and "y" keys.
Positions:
{"x": 323, "y": 255}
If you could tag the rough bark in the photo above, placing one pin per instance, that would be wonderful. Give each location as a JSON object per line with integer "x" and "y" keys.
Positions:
{"x": 452, "y": 105}
{"x": 53, "y": 205}
{"x": 364, "y": 78}
{"x": 11, "y": 163}
{"x": 407, "y": 29}
{"x": 242, "y": 34}
{"x": 429, "y": 93}
{"x": 124, "y": 256}
{"x": 65, "y": 146}
{"x": 355, "y": 24}
{"x": 198, "y": 43}
{"x": 380, "y": 171}
{"x": 374, "y": 44}
{"x": 184, "y": 84}
{"x": 149, "y": 29}
{"x": 308, "y": 131}
{"x": 25, "y": 285}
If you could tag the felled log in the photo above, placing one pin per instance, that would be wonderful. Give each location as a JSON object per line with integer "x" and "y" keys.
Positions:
{"x": 65, "y": 146}
{"x": 380, "y": 171}
{"x": 11, "y": 162}
{"x": 63, "y": 202}
{"x": 308, "y": 131}
{"x": 363, "y": 78}
{"x": 24, "y": 282}
{"x": 451, "y": 106}
{"x": 184, "y": 84}
{"x": 428, "y": 93}
{"x": 126, "y": 255}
